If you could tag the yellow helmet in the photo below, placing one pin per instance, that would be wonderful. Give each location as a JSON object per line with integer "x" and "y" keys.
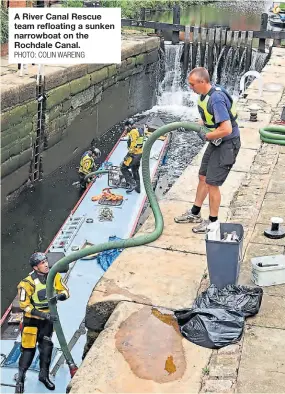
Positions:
{"x": 276, "y": 9}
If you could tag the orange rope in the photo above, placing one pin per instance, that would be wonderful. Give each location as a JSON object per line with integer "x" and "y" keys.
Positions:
{"x": 107, "y": 195}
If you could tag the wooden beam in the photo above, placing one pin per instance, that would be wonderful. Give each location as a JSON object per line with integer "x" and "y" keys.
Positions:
{"x": 186, "y": 50}
{"x": 176, "y": 21}
{"x": 278, "y": 35}
{"x": 249, "y": 50}
{"x": 152, "y": 25}
{"x": 142, "y": 13}
{"x": 263, "y": 26}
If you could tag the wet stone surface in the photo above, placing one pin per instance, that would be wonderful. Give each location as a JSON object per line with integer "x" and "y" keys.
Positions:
{"x": 158, "y": 357}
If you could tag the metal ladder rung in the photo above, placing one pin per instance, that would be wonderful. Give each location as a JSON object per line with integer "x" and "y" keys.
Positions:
{"x": 40, "y": 96}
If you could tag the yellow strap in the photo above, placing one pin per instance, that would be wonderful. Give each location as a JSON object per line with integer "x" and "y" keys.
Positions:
{"x": 128, "y": 161}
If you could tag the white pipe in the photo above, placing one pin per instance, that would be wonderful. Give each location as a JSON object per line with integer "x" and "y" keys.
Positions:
{"x": 254, "y": 74}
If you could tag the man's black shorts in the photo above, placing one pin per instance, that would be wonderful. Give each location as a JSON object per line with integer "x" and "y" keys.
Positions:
{"x": 218, "y": 161}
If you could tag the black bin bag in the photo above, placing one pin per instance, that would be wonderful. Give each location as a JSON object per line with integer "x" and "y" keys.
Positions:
{"x": 217, "y": 316}
{"x": 210, "y": 328}
{"x": 246, "y": 300}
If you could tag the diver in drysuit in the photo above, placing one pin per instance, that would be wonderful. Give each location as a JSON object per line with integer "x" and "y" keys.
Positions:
{"x": 131, "y": 164}
{"x": 38, "y": 322}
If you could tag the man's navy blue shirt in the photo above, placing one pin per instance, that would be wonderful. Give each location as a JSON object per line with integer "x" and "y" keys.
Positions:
{"x": 219, "y": 105}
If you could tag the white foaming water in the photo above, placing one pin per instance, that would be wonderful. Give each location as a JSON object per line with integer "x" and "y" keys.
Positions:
{"x": 175, "y": 100}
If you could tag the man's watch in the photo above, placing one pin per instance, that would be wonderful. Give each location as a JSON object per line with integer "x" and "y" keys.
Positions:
{"x": 217, "y": 142}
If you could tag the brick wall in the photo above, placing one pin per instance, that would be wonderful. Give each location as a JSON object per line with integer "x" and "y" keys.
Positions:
{"x": 18, "y": 3}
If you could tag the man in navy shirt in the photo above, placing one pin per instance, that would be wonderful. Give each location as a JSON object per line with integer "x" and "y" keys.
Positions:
{"x": 218, "y": 114}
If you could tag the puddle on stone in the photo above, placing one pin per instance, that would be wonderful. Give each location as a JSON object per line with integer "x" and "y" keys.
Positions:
{"x": 166, "y": 318}
{"x": 273, "y": 87}
{"x": 151, "y": 344}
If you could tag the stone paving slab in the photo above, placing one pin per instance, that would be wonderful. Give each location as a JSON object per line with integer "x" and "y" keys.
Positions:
{"x": 245, "y": 104}
{"x": 141, "y": 351}
{"x": 276, "y": 62}
{"x": 269, "y": 98}
{"x": 250, "y": 138}
{"x": 262, "y": 118}
{"x": 270, "y": 85}
{"x": 262, "y": 366}
{"x": 271, "y": 313}
{"x": 276, "y": 185}
{"x": 177, "y": 236}
{"x": 274, "y": 69}
{"x": 281, "y": 160}
{"x": 272, "y": 205}
{"x": 190, "y": 182}
{"x": 244, "y": 160}
{"x": 276, "y": 77}
{"x": 259, "y": 238}
{"x": 153, "y": 276}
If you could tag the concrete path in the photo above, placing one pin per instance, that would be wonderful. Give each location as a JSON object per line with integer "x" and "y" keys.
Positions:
{"x": 140, "y": 348}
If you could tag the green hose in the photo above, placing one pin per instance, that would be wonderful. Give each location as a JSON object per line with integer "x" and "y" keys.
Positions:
{"x": 62, "y": 264}
{"x": 273, "y": 134}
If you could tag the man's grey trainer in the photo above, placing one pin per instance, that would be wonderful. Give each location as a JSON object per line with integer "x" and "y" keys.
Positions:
{"x": 188, "y": 217}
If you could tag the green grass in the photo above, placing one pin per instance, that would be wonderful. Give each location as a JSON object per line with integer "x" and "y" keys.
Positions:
{"x": 205, "y": 371}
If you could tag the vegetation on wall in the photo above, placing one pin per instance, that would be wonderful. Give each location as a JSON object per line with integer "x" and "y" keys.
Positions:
{"x": 72, "y": 3}
{"x": 4, "y": 24}
{"x": 131, "y": 8}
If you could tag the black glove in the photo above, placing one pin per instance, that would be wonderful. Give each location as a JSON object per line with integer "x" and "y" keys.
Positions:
{"x": 202, "y": 135}
{"x": 61, "y": 297}
{"x": 50, "y": 317}
{"x": 58, "y": 297}
{"x": 43, "y": 315}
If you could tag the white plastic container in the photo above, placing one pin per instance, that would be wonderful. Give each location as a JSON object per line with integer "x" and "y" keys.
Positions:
{"x": 214, "y": 233}
{"x": 268, "y": 275}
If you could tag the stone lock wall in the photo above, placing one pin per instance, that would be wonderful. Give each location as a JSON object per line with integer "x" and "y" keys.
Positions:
{"x": 82, "y": 102}
{"x": 18, "y": 132}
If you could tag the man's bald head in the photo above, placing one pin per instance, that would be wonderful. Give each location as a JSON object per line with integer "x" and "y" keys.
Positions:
{"x": 201, "y": 74}
{"x": 199, "y": 80}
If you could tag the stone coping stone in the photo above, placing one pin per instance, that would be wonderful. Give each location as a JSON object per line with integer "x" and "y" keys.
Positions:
{"x": 14, "y": 88}
{"x": 141, "y": 351}
{"x": 151, "y": 276}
